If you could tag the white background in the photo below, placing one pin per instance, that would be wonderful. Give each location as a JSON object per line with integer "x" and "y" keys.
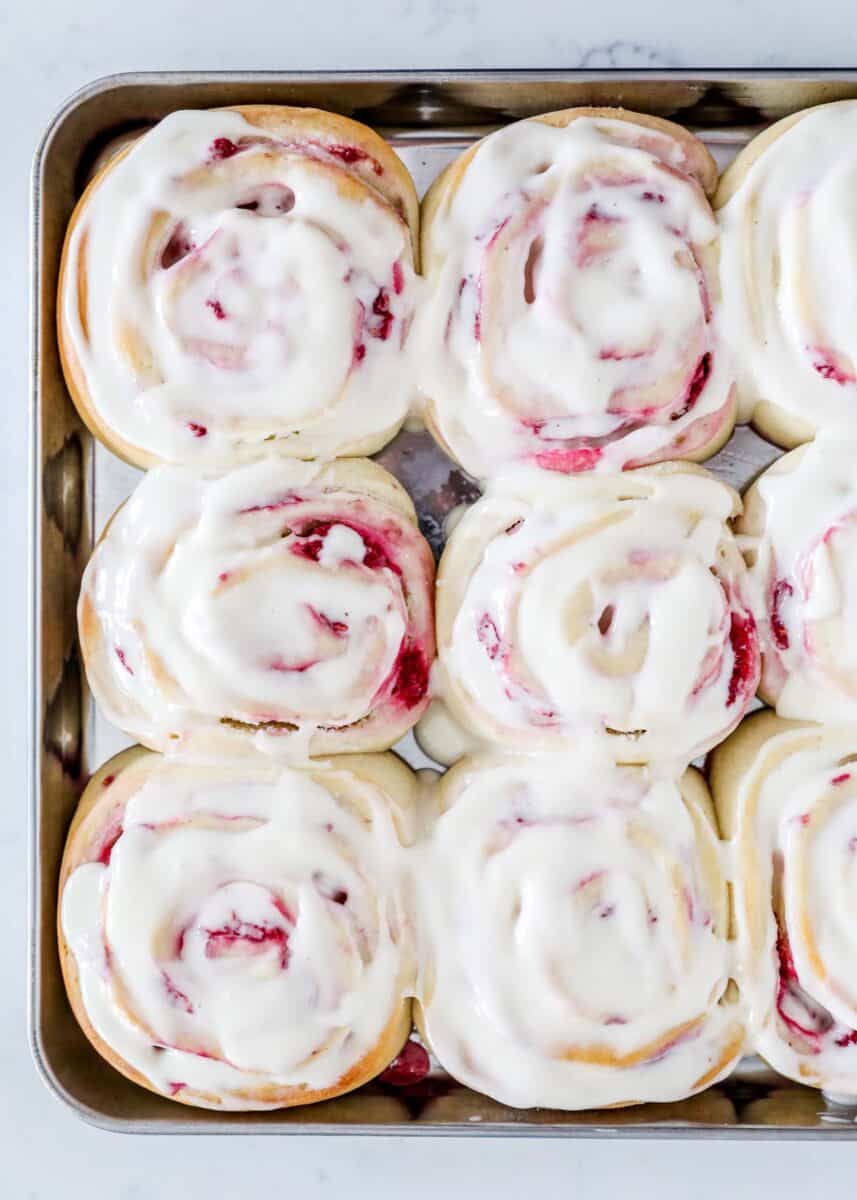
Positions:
{"x": 48, "y": 48}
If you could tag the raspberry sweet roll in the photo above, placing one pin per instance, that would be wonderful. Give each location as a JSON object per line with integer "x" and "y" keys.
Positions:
{"x": 239, "y": 276}
{"x": 280, "y": 604}
{"x": 572, "y": 320}
{"x": 800, "y": 537}
{"x": 786, "y": 795}
{"x": 234, "y": 934}
{"x": 574, "y": 939}
{"x": 788, "y": 271}
{"x": 609, "y": 608}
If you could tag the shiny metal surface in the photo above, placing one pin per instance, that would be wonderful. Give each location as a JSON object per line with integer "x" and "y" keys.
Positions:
{"x": 429, "y": 117}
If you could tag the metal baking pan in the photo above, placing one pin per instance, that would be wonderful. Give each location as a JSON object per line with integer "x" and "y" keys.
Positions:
{"x": 429, "y": 117}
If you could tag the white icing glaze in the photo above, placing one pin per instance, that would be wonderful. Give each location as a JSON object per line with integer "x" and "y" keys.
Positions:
{"x": 795, "y": 838}
{"x": 252, "y": 596}
{"x": 804, "y": 573}
{"x": 598, "y": 607}
{"x": 575, "y": 955}
{"x": 788, "y": 262}
{"x": 269, "y": 325}
{"x": 572, "y": 318}
{"x": 216, "y": 954}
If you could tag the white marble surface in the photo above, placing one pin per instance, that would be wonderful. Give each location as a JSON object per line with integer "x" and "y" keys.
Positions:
{"x": 48, "y": 48}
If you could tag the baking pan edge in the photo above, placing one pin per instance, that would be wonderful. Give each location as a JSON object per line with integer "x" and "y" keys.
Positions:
{"x": 36, "y": 917}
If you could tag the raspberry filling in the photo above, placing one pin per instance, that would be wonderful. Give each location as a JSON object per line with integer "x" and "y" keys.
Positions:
{"x": 353, "y": 154}
{"x": 311, "y": 541}
{"x": 745, "y": 647}
{"x": 409, "y": 1067}
{"x": 614, "y": 354}
{"x": 338, "y": 628}
{"x": 572, "y": 461}
{"x": 177, "y": 996}
{"x": 797, "y": 1010}
{"x": 272, "y": 506}
{"x": 247, "y": 938}
{"x": 489, "y": 637}
{"x": 694, "y": 390}
{"x": 829, "y": 365}
{"x": 584, "y": 454}
{"x": 410, "y": 675}
{"x": 198, "y": 431}
{"x": 380, "y": 323}
{"x": 221, "y": 148}
{"x": 595, "y": 236}
{"x": 782, "y": 589}
{"x": 288, "y": 668}
{"x": 120, "y": 654}
{"x": 109, "y": 838}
